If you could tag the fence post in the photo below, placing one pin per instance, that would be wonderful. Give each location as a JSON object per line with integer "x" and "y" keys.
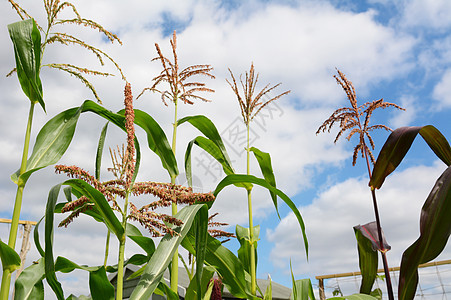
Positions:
{"x": 322, "y": 294}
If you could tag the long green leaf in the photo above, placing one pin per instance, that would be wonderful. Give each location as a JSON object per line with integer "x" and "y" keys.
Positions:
{"x": 99, "y": 285}
{"x": 211, "y": 148}
{"x": 435, "y": 229}
{"x": 367, "y": 261}
{"x": 264, "y": 161}
{"x": 243, "y": 236}
{"x": 206, "y": 126}
{"x": 10, "y": 258}
{"x": 27, "y": 50}
{"x": 201, "y": 229}
{"x": 51, "y": 143}
{"x": 104, "y": 208}
{"x": 99, "y": 152}
{"x": 240, "y": 178}
{"x": 398, "y": 144}
{"x": 157, "y": 141}
{"x": 146, "y": 243}
{"x": 49, "y": 261}
{"x": 163, "y": 254}
{"x": 56, "y": 135}
{"x": 29, "y": 285}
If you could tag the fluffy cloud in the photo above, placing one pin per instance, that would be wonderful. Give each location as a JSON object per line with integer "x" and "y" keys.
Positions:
{"x": 426, "y": 13}
{"x": 441, "y": 92}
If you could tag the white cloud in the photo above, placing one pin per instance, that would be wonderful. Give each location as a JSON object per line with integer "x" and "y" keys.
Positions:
{"x": 442, "y": 91}
{"x": 404, "y": 118}
{"x": 331, "y": 216}
{"x": 427, "y": 13}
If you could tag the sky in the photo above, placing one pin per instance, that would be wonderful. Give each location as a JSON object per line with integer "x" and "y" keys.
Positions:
{"x": 395, "y": 50}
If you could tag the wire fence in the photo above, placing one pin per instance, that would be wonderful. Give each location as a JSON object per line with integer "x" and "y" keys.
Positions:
{"x": 434, "y": 282}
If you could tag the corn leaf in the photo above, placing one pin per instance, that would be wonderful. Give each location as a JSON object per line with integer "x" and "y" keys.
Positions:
{"x": 206, "y": 126}
{"x": 157, "y": 141}
{"x": 10, "y": 258}
{"x": 226, "y": 264}
{"x": 99, "y": 152}
{"x": 243, "y": 236}
{"x": 146, "y": 243}
{"x": 302, "y": 290}
{"x": 240, "y": 178}
{"x": 268, "y": 292}
{"x": 160, "y": 260}
{"x": 29, "y": 285}
{"x": 435, "y": 229}
{"x": 27, "y": 50}
{"x": 192, "y": 291}
{"x": 104, "y": 208}
{"x": 264, "y": 161}
{"x": 99, "y": 285}
{"x": 398, "y": 144}
{"x": 49, "y": 265}
{"x": 368, "y": 260}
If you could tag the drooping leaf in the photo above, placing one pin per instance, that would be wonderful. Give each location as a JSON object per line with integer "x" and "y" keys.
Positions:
{"x": 29, "y": 285}
{"x": 104, "y": 208}
{"x": 163, "y": 254}
{"x": 146, "y": 243}
{"x": 264, "y": 161}
{"x": 239, "y": 178}
{"x": 206, "y": 126}
{"x": 243, "y": 236}
{"x": 369, "y": 231}
{"x": 435, "y": 229}
{"x": 211, "y": 148}
{"x": 157, "y": 141}
{"x": 99, "y": 285}
{"x": 27, "y": 50}
{"x": 10, "y": 258}
{"x": 367, "y": 260}
{"x": 398, "y": 144}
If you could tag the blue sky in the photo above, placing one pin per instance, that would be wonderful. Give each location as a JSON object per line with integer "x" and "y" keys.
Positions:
{"x": 399, "y": 51}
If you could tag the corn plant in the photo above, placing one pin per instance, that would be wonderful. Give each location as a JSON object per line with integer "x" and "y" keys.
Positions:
{"x": 29, "y": 52}
{"x": 180, "y": 89}
{"x": 238, "y": 273}
{"x": 356, "y": 119}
